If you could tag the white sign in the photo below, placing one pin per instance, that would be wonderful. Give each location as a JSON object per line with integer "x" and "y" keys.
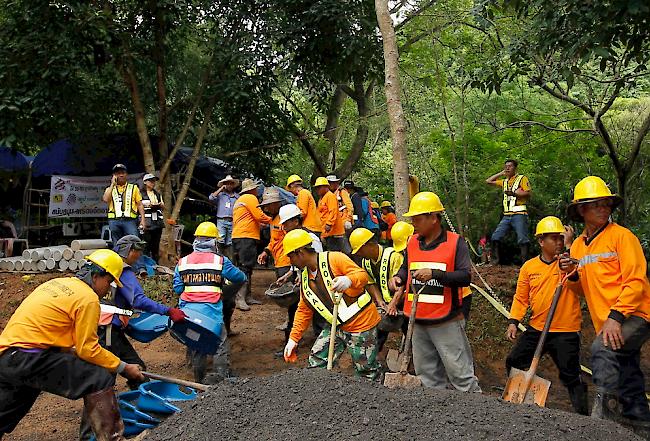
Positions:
{"x": 81, "y": 196}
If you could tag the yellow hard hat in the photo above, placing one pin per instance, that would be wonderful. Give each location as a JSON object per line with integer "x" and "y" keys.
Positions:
{"x": 588, "y": 189}
{"x": 424, "y": 202}
{"x": 207, "y": 229}
{"x": 293, "y": 178}
{"x": 386, "y": 204}
{"x": 550, "y": 224}
{"x": 321, "y": 181}
{"x": 296, "y": 239}
{"x": 110, "y": 261}
{"x": 400, "y": 234}
{"x": 374, "y": 204}
{"x": 359, "y": 238}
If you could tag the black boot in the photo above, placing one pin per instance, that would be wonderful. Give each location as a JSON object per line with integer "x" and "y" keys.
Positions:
{"x": 103, "y": 413}
{"x": 494, "y": 257}
{"x": 523, "y": 249}
{"x": 578, "y": 396}
{"x": 605, "y": 406}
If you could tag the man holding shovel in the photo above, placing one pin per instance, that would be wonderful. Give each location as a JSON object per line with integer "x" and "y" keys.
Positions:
{"x": 327, "y": 278}
{"x": 538, "y": 279}
{"x": 612, "y": 273}
{"x": 437, "y": 264}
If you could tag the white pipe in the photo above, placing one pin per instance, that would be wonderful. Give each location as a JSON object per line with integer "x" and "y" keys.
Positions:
{"x": 63, "y": 264}
{"x": 7, "y": 263}
{"x": 41, "y": 265}
{"x": 19, "y": 264}
{"x": 37, "y": 254}
{"x": 72, "y": 265}
{"x": 50, "y": 264}
{"x": 68, "y": 254}
{"x": 87, "y": 244}
{"x": 81, "y": 254}
{"x": 47, "y": 252}
{"x": 27, "y": 254}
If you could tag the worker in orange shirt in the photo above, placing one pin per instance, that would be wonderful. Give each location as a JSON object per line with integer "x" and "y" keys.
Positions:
{"x": 389, "y": 218}
{"x": 612, "y": 274}
{"x": 324, "y": 275}
{"x": 247, "y": 220}
{"x": 538, "y": 279}
{"x": 305, "y": 201}
{"x": 333, "y": 234}
{"x": 346, "y": 208}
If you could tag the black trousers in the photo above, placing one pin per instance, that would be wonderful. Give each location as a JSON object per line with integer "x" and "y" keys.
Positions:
{"x": 466, "y": 306}
{"x": 121, "y": 346}
{"x": 228, "y": 294}
{"x": 563, "y": 347}
{"x": 24, "y": 375}
{"x": 152, "y": 237}
{"x": 382, "y": 336}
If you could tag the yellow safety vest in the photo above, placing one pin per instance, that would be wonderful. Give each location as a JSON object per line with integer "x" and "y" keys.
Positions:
{"x": 346, "y": 311}
{"x": 122, "y": 203}
{"x": 510, "y": 202}
{"x": 383, "y": 276}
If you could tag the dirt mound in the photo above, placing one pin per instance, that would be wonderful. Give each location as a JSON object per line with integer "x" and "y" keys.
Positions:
{"x": 313, "y": 404}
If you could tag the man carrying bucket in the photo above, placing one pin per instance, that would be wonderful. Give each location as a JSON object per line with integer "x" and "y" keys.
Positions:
{"x": 199, "y": 279}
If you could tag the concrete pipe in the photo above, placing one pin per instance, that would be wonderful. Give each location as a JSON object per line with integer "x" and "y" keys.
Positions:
{"x": 9, "y": 263}
{"x": 37, "y": 254}
{"x": 72, "y": 265}
{"x": 88, "y": 244}
{"x": 50, "y": 264}
{"x": 41, "y": 265}
{"x": 63, "y": 264}
{"x": 81, "y": 254}
{"x": 68, "y": 254}
{"x": 47, "y": 251}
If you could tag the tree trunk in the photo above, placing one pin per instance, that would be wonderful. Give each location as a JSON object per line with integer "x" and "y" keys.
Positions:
{"x": 331, "y": 126}
{"x": 395, "y": 112}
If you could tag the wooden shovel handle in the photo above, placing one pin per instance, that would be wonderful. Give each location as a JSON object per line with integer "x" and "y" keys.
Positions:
{"x": 406, "y": 354}
{"x": 197, "y": 386}
{"x": 335, "y": 318}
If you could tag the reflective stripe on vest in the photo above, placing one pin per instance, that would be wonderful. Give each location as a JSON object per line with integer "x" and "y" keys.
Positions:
{"x": 381, "y": 274}
{"x": 201, "y": 275}
{"x": 122, "y": 203}
{"x": 510, "y": 202}
{"x": 149, "y": 212}
{"x": 345, "y": 311}
{"x": 436, "y": 302}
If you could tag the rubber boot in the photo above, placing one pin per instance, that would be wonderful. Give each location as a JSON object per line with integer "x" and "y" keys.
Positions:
{"x": 494, "y": 257}
{"x": 605, "y": 407}
{"x": 240, "y": 299}
{"x": 199, "y": 366}
{"x": 104, "y": 415}
{"x": 523, "y": 249}
{"x": 249, "y": 295}
{"x": 579, "y": 397}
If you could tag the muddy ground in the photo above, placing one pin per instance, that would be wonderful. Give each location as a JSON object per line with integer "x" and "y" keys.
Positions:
{"x": 56, "y": 419}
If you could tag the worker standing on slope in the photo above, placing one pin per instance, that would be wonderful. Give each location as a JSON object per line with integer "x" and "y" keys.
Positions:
{"x": 346, "y": 209}
{"x": 332, "y": 221}
{"x": 437, "y": 260}
{"x": 36, "y": 349}
{"x": 538, "y": 279}
{"x": 612, "y": 274}
{"x": 324, "y": 275}
{"x": 305, "y": 201}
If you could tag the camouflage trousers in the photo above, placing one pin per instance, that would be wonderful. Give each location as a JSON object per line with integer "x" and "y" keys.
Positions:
{"x": 362, "y": 347}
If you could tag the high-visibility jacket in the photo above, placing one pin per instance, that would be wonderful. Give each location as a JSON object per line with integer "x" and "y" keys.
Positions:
{"x": 612, "y": 274}
{"x": 380, "y": 272}
{"x": 436, "y": 303}
{"x": 390, "y": 220}
{"x": 328, "y": 209}
{"x": 275, "y": 244}
{"x": 356, "y": 313}
{"x": 201, "y": 275}
{"x": 124, "y": 202}
{"x": 310, "y": 218}
{"x": 247, "y": 217}
{"x": 536, "y": 286}
{"x": 60, "y": 313}
{"x": 346, "y": 209}
{"x": 153, "y": 217}
{"x": 514, "y": 204}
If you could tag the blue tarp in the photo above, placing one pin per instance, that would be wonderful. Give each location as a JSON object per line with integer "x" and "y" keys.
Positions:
{"x": 12, "y": 161}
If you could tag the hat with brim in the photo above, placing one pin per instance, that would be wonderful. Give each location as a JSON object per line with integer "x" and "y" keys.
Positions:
{"x": 118, "y": 167}
{"x": 248, "y": 185}
{"x": 149, "y": 177}
{"x": 332, "y": 178}
{"x": 270, "y": 196}
{"x": 572, "y": 209}
{"x": 228, "y": 179}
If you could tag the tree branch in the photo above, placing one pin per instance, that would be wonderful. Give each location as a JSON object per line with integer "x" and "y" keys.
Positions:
{"x": 520, "y": 124}
{"x": 414, "y": 14}
{"x": 561, "y": 95}
{"x": 638, "y": 141}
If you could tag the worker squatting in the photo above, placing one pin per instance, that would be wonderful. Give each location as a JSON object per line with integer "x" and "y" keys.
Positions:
{"x": 338, "y": 258}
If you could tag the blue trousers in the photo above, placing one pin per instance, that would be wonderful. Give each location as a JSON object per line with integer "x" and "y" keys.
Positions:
{"x": 122, "y": 227}
{"x": 517, "y": 222}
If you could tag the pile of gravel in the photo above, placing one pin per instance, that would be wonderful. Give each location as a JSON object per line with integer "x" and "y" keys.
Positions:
{"x": 314, "y": 404}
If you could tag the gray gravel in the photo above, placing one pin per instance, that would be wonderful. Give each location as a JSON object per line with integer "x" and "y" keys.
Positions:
{"x": 313, "y": 404}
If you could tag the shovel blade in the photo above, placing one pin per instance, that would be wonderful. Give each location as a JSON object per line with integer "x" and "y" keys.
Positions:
{"x": 515, "y": 390}
{"x": 392, "y": 360}
{"x": 394, "y": 380}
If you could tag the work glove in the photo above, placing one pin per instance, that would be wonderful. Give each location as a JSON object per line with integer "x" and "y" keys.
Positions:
{"x": 348, "y": 225}
{"x": 177, "y": 315}
{"x": 341, "y": 283}
{"x": 290, "y": 351}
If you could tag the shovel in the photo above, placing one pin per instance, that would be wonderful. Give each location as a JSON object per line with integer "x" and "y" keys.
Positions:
{"x": 392, "y": 357}
{"x": 335, "y": 318}
{"x": 402, "y": 378}
{"x": 526, "y": 387}
{"x": 193, "y": 385}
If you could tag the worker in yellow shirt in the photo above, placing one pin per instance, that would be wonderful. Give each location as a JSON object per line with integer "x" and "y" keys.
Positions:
{"x": 382, "y": 264}
{"x": 538, "y": 279}
{"x": 331, "y": 219}
{"x": 124, "y": 204}
{"x": 50, "y": 344}
{"x": 305, "y": 201}
{"x": 323, "y": 275}
{"x": 247, "y": 221}
{"x": 612, "y": 274}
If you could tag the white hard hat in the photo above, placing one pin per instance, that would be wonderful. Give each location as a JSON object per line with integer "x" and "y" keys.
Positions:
{"x": 289, "y": 211}
{"x": 332, "y": 178}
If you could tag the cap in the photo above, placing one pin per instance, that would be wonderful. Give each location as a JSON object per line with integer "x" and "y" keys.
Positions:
{"x": 149, "y": 176}
{"x": 332, "y": 178}
{"x": 348, "y": 184}
{"x": 119, "y": 166}
{"x": 128, "y": 243}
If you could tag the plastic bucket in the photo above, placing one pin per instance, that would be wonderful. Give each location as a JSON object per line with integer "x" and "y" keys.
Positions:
{"x": 147, "y": 327}
{"x": 128, "y": 407}
{"x": 168, "y": 391}
{"x": 201, "y": 329}
{"x": 150, "y": 402}
{"x": 133, "y": 427}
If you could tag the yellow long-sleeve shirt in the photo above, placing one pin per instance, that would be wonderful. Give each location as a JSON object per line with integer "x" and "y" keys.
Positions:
{"x": 341, "y": 265}
{"x": 347, "y": 201}
{"x": 59, "y": 313}
{"x": 247, "y": 217}
{"x": 310, "y": 218}
{"x": 535, "y": 289}
{"x": 613, "y": 274}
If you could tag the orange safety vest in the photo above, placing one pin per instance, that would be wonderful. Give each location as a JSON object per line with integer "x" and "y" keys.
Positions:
{"x": 201, "y": 275}
{"x": 436, "y": 303}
